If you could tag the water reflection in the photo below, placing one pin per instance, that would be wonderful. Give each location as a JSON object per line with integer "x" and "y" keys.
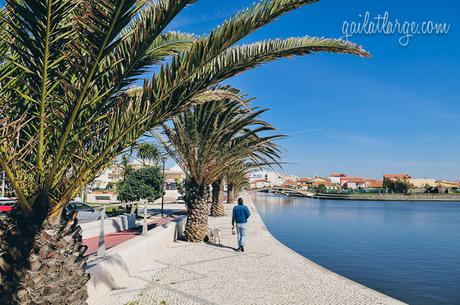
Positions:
{"x": 409, "y": 250}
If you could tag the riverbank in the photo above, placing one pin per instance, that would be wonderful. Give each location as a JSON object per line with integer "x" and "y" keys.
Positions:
{"x": 391, "y": 197}
{"x": 267, "y": 273}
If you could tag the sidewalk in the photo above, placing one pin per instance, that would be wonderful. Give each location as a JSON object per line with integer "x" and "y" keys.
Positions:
{"x": 267, "y": 273}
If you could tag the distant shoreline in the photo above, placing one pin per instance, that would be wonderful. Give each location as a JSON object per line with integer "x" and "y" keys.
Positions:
{"x": 391, "y": 197}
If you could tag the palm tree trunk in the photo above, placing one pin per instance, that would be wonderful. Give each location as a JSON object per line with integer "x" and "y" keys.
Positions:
{"x": 196, "y": 227}
{"x": 230, "y": 193}
{"x": 217, "y": 207}
{"x": 41, "y": 262}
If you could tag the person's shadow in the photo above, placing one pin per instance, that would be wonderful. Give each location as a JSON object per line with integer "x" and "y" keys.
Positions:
{"x": 221, "y": 246}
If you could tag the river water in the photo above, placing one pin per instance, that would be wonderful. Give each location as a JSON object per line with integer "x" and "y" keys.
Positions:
{"x": 407, "y": 250}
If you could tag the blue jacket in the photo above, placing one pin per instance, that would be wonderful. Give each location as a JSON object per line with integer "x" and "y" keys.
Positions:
{"x": 240, "y": 214}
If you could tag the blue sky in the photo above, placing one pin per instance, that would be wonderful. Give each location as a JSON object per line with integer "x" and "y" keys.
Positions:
{"x": 396, "y": 112}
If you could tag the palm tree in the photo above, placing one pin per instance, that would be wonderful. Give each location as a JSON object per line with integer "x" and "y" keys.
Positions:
{"x": 254, "y": 155}
{"x": 66, "y": 111}
{"x": 148, "y": 153}
{"x": 204, "y": 140}
{"x": 236, "y": 177}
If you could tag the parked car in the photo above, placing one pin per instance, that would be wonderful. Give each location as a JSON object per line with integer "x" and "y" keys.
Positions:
{"x": 6, "y": 204}
{"x": 86, "y": 213}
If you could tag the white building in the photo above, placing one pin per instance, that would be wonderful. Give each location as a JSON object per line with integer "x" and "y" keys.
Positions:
{"x": 422, "y": 182}
{"x": 114, "y": 174}
{"x": 290, "y": 178}
{"x": 335, "y": 177}
{"x": 271, "y": 178}
{"x": 111, "y": 174}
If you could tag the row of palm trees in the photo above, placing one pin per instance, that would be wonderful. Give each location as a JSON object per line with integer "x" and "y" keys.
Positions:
{"x": 67, "y": 110}
{"x": 210, "y": 140}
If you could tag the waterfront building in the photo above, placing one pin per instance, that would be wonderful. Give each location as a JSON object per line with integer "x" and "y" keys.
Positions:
{"x": 335, "y": 177}
{"x": 444, "y": 185}
{"x": 374, "y": 183}
{"x": 353, "y": 182}
{"x": 422, "y": 182}
{"x": 259, "y": 183}
{"x": 317, "y": 181}
{"x": 303, "y": 183}
{"x": 291, "y": 184}
{"x": 273, "y": 178}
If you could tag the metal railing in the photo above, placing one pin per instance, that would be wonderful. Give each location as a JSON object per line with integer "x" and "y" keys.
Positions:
{"x": 101, "y": 249}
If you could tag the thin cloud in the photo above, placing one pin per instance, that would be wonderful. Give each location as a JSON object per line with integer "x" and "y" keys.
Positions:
{"x": 359, "y": 139}
{"x": 406, "y": 117}
{"x": 305, "y": 131}
{"x": 182, "y": 21}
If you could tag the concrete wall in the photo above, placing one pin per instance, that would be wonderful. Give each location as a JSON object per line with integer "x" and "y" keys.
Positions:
{"x": 111, "y": 225}
{"x": 128, "y": 258}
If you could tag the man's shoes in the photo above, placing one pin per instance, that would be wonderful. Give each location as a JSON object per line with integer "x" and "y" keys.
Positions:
{"x": 242, "y": 249}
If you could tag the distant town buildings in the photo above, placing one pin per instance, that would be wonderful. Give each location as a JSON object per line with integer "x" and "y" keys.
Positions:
{"x": 103, "y": 188}
{"x": 341, "y": 181}
{"x": 394, "y": 177}
{"x": 335, "y": 177}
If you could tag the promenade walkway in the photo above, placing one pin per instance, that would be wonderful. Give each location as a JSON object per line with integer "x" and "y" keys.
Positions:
{"x": 267, "y": 273}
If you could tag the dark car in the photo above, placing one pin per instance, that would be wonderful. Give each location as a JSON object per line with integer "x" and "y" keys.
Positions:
{"x": 86, "y": 213}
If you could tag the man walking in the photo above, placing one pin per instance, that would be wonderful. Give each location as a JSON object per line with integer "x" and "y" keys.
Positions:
{"x": 240, "y": 217}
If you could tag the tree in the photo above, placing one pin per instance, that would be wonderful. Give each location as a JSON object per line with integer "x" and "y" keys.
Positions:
{"x": 236, "y": 177}
{"x": 66, "y": 111}
{"x": 149, "y": 153}
{"x": 126, "y": 168}
{"x": 396, "y": 186}
{"x": 110, "y": 186}
{"x": 204, "y": 140}
{"x": 144, "y": 183}
{"x": 321, "y": 188}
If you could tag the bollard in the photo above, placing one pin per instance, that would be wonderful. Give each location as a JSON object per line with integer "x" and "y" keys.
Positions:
{"x": 101, "y": 246}
{"x": 144, "y": 226}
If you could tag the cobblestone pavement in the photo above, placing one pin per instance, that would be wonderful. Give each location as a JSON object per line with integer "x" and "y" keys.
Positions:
{"x": 267, "y": 273}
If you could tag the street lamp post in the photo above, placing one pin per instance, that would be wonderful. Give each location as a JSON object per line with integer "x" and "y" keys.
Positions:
{"x": 164, "y": 187}
{"x": 3, "y": 184}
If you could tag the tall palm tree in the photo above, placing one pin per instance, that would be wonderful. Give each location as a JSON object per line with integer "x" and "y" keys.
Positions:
{"x": 66, "y": 111}
{"x": 254, "y": 155}
{"x": 236, "y": 176}
{"x": 204, "y": 140}
{"x": 149, "y": 153}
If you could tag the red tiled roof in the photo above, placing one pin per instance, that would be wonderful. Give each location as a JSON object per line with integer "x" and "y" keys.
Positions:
{"x": 290, "y": 182}
{"x": 303, "y": 179}
{"x": 374, "y": 183}
{"x": 396, "y": 176}
{"x": 325, "y": 183}
{"x": 337, "y": 175}
{"x": 352, "y": 180}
